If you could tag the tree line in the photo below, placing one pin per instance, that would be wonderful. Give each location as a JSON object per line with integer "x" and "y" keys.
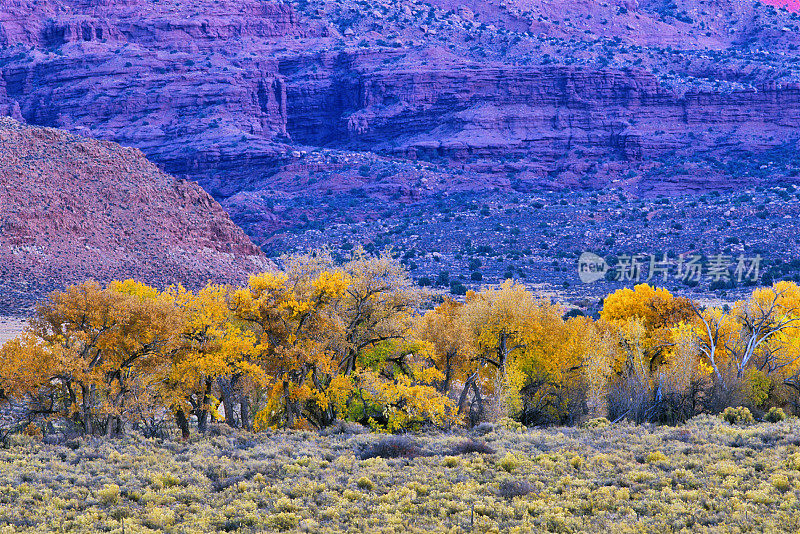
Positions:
{"x": 319, "y": 342}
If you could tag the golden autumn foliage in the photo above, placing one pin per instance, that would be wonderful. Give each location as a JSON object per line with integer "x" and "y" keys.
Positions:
{"x": 657, "y": 310}
{"x": 297, "y": 348}
{"x": 92, "y": 349}
{"x": 510, "y": 353}
{"x": 319, "y": 342}
{"x": 757, "y": 338}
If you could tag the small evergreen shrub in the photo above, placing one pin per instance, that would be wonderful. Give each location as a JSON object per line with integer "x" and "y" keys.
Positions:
{"x": 738, "y": 416}
{"x": 775, "y": 415}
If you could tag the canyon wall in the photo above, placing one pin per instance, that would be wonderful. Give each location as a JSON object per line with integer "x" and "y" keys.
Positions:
{"x": 235, "y": 95}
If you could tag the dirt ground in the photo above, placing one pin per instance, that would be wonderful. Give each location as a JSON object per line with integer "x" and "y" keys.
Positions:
{"x": 10, "y": 327}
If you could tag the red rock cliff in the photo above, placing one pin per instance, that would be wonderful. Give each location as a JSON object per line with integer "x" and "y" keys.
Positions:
{"x": 73, "y": 208}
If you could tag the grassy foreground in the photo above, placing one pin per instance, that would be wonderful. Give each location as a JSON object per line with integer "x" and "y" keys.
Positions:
{"x": 706, "y": 476}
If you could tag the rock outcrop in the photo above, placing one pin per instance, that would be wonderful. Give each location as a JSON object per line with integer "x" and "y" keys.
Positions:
{"x": 243, "y": 95}
{"x": 73, "y": 208}
{"x": 458, "y": 113}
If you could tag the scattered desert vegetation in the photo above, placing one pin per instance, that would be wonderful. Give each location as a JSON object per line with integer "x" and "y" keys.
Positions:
{"x": 706, "y": 475}
{"x": 462, "y": 242}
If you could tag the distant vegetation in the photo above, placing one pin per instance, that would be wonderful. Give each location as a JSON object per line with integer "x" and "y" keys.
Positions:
{"x": 321, "y": 343}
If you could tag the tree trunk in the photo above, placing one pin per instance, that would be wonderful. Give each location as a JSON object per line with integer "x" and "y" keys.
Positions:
{"x": 244, "y": 411}
{"x": 228, "y": 401}
{"x": 113, "y": 426}
{"x": 449, "y": 357}
{"x": 67, "y": 400}
{"x": 86, "y": 414}
{"x": 350, "y": 361}
{"x": 476, "y": 413}
{"x": 502, "y": 351}
{"x": 288, "y": 407}
{"x": 462, "y": 399}
{"x": 202, "y": 419}
{"x": 183, "y": 424}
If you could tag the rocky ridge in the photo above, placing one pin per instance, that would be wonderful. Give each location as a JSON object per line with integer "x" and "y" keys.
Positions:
{"x": 291, "y": 114}
{"x": 73, "y": 208}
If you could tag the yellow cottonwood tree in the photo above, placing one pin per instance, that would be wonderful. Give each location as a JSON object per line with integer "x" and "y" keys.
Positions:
{"x": 757, "y": 337}
{"x": 320, "y": 331}
{"x": 214, "y": 353}
{"x": 295, "y": 334}
{"x": 92, "y": 345}
{"x": 657, "y": 311}
{"x": 523, "y": 345}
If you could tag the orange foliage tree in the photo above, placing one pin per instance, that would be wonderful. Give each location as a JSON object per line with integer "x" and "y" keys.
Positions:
{"x": 320, "y": 341}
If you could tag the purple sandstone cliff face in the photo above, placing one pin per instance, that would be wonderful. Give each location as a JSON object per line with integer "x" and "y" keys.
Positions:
{"x": 267, "y": 103}
{"x": 150, "y": 77}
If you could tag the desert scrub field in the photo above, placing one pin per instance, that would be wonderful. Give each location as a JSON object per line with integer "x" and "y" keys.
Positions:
{"x": 705, "y": 476}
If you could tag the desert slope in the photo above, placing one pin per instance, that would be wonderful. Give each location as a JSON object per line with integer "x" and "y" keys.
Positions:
{"x": 292, "y": 113}
{"x": 73, "y": 208}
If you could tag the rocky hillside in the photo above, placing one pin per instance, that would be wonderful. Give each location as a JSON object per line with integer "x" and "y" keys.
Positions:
{"x": 301, "y": 113}
{"x": 73, "y": 208}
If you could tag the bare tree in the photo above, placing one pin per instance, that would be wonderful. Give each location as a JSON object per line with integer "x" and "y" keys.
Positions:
{"x": 713, "y": 324}
{"x": 760, "y": 323}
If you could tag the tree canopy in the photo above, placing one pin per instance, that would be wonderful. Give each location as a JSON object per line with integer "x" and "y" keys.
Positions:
{"x": 319, "y": 342}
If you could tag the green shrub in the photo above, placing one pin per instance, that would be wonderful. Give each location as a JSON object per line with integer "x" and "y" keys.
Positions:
{"x": 109, "y": 494}
{"x": 793, "y": 462}
{"x": 738, "y": 416}
{"x": 512, "y": 425}
{"x": 365, "y": 483}
{"x": 775, "y": 415}
{"x": 757, "y": 387}
{"x": 597, "y": 422}
{"x": 450, "y": 461}
{"x": 508, "y": 463}
{"x": 781, "y": 483}
{"x": 159, "y": 518}
{"x": 283, "y": 521}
